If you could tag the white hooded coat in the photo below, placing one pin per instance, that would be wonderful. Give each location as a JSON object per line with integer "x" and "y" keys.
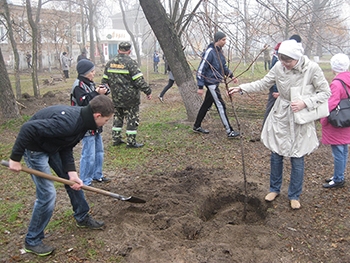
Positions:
{"x": 280, "y": 133}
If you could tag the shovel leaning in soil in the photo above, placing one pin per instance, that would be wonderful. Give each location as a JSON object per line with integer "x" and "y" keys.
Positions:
{"x": 131, "y": 199}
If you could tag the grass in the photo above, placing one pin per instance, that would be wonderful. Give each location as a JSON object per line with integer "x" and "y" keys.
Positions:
{"x": 5, "y": 150}
{"x": 14, "y": 123}
{"x": 12, "y": 212}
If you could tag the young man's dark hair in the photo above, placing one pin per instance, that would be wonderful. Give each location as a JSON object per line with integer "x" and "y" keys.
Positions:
{"x": 103, "y": 105}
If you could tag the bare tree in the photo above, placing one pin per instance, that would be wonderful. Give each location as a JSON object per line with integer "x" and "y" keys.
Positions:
{"x": 7, "y": 17}
{"x": 90, "y": 9}
{"x": 34, "y": 24}
{"x": 8, "y": 104}
{"x": 170, "y": 43}
{"x": 91, "y": 15}
{"x": 131, "y": 34}
{"x": 317, "y": 21}
{"x": 100, "y": 51}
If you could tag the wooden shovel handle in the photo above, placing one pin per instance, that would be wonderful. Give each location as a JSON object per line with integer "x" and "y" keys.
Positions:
{"x": 69, "y": 182}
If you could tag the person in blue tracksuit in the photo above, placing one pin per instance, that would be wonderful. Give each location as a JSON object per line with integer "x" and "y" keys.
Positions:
{"x": 211, "y": 72}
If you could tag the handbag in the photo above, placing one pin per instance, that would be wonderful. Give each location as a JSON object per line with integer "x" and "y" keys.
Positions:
{"x": 306, "y": 115}
{"x": 340, "y": 116}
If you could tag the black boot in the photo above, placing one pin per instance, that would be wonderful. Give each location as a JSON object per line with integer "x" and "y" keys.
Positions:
{"x": 132, "y": 141}
{"x": 118, "y": 142}
{"x": 134, "y": 145}
{"x": 117, "y": 138}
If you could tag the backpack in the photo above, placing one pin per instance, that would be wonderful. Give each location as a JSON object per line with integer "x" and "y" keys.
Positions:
{"x": 73, "y": 100}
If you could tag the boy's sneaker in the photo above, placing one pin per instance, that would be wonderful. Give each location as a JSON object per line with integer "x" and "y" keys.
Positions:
{"x": 233, "y": 134}
{"x": 40, "y": 250}
{"x": 333, "y": 184}
{"x": 161, "y": 99}
{"x": 91, "y": 223}
{"x": 200, "y": 130}
{"x": 328, "y": 179}
{"x": 103, "y": 180}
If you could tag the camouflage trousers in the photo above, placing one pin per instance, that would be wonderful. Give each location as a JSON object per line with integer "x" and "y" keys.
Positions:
{"x": 131, "y": 116}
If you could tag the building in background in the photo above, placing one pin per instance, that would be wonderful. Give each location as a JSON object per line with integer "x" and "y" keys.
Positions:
{"x": 110, "y": 39}
{"x": 139, "y": 27}
{"x": 60, "y": 34}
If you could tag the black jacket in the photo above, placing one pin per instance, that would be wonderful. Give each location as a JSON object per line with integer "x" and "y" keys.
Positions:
{"x": 83, "y": 91}
{"x": 55, "y": 129}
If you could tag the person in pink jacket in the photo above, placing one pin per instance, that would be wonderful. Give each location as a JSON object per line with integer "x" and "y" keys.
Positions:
{"x": 338, "y": 138}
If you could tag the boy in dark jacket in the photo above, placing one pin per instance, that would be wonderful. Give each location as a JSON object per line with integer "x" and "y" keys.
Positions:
{"x": 92, "y": 153}
{"x": 210, "y": 73}
{"x": 46, "y": 141}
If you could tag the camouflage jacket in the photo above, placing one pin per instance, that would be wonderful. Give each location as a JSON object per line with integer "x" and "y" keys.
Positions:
{"x": 125, "y": 80}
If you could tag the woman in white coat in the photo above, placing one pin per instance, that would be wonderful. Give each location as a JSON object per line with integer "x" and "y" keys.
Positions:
{"x": 285, "y": 138}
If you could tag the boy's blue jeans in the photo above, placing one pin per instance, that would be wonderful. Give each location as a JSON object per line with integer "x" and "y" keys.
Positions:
{"x": 91, "y": 160}
{"x": 46, "y": 195}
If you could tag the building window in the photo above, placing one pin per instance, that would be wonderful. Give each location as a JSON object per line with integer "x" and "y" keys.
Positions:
{"x": 78, "y": 33}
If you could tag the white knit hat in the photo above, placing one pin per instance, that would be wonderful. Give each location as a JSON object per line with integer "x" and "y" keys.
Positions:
{"x": 292, "y": 49}
{"x": 340, "y": 62}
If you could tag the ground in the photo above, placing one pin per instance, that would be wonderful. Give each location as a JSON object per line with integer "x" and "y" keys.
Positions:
{"x": 203, "y": 214}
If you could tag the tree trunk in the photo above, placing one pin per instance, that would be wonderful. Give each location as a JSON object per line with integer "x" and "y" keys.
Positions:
{"x": 14, "y": 49}
{"x": 8, "y": 104}
{"x": 91, "y": 29}
{"x": 172, "y": 48}
{"x": 98, "y": 45}
{"x": 34, "y": 26}
{"x": 83, "y": 27}
{"x": 133, "y": 39}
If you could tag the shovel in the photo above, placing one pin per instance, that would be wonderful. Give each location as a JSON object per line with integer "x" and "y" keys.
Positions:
{"x": 131, "y": 199}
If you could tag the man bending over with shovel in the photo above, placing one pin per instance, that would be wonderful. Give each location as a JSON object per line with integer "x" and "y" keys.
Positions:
{"x": 47, "y": 140}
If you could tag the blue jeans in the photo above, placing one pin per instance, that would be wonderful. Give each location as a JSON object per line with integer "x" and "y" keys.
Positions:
{"x": 340, "y": 156}
{"x": 91, "y": 160}
{"x": 46, "y": 195}
{"x": 296, "y": 176}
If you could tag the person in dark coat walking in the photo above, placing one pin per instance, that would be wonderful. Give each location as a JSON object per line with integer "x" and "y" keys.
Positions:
{"x": 81, "y": 56}
{"x": 168, "y": 86}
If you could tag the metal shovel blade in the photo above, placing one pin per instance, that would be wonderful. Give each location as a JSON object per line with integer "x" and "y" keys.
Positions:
{"x": 131, "y": 199}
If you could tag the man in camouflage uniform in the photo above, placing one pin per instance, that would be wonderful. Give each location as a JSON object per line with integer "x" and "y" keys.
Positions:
{"x": 125, "y": 81}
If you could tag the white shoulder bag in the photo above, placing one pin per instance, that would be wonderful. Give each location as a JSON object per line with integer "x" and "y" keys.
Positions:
{"x": 306, "y": 115}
